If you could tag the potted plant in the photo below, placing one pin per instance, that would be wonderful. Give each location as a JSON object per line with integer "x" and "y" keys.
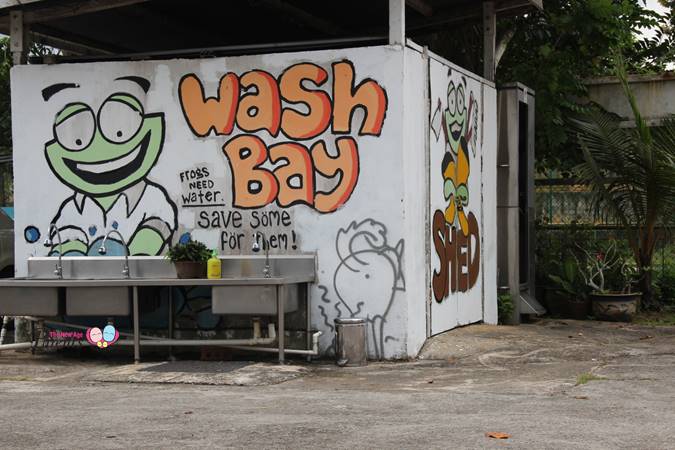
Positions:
{"x": 574, "y": 302}
{"x": 189, "y": 258}
{"x": 611, "y": 275}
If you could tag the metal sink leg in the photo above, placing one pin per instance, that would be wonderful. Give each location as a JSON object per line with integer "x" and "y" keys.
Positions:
{"x": 137, "y": 328}
{"x": 308, "y": 312}
{"x": 281, "y": 293}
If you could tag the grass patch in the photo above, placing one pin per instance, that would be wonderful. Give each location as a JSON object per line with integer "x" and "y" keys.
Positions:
{"x": 586, "y": 377}
{"x": 655, "y": 319}
{"x": 15, "y": 378}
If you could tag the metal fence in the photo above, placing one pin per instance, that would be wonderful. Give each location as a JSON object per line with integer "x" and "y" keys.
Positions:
{"x": 563, "y": 202}
{"x": 563, "y": 217}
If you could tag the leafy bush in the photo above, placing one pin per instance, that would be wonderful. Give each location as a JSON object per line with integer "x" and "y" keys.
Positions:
{"x": 504, "y": 308}
{"x": 608, "y": 268}
{"x": 567, "y": 279}
{"x": 190, "y": 251}
{"x": 665, "y": 285}
{"x": 553, "y": 246}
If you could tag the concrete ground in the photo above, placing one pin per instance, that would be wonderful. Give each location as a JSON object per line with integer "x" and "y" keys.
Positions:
{"x": 554, "y": 384}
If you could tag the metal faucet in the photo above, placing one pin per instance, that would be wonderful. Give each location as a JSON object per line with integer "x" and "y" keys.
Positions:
{"x": 256, "y": 248}
{"x": 102, "y": 251}
{"x": 58, "y": 268}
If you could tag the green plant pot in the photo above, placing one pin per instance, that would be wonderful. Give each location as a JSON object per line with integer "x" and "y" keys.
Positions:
{"x": 615, "y": 307}
{"x": 190, "y": 269}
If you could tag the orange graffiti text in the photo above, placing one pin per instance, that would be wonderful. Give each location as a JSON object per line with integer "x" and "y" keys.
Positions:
{"x": 255, "y": 101}
{"x": 292, "y": 179}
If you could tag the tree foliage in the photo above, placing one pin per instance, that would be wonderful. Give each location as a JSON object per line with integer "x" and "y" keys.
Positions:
{"x": 36, "y": 50}
{"x": 631, "y": 172}
{"x": 5, "y": 99}
{"x": 555, "y": 50}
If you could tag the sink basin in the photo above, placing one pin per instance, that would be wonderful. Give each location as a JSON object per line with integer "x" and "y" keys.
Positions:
{"x": 256, "y": 300}
{"x": 98, "y": 301}
{"x": 100, "y": 267}
{"x": 30, "y": 301}
{"x": 260, "y": 300}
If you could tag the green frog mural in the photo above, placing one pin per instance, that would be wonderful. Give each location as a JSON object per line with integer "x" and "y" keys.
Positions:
{"x": 105, "y": 157}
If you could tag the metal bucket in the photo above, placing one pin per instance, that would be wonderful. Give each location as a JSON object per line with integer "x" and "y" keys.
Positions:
{"x": 350, "y": 342}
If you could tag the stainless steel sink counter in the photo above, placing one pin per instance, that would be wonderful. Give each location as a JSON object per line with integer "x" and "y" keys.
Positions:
{"x": 252, "y": 285}
{"x": 238, "y": 281}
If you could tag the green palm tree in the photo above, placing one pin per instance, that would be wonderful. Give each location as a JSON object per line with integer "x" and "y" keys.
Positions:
{"x": 631, "y": 173}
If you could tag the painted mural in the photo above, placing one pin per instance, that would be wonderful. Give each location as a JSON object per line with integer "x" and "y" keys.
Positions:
{"x": 456, "y": 197}
{"x": 295, "y": 145}
{"x": 369, "y": 271}
{"x": 105, "y": 158}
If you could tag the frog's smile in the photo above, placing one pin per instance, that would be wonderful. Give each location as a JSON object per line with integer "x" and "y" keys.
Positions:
{"x": 113, "y": 170}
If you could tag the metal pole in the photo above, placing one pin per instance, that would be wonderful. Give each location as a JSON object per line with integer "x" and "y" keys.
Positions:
{"x": 281, "y": 291}
{"x": 308, "y": 331}
{"x": 137, "y": 328}
{"x": 18, "y": 44}
{"x": 170, "y": 295}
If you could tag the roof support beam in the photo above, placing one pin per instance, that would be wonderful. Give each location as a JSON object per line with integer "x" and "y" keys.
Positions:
{"x": 46, "y": 14}
{"x": 18, "y": 37}
{"x": 489, "y": 39}
{"x": 396, "y": 22}
{"x": 86, "y": 45}
{"x": 73, "y": 46}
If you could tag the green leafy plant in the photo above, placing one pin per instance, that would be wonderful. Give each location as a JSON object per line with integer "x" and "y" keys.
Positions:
{"x": 553, "y": 246}
{"x": 665, "y": 282}
{"x": 505, "y": 307}
{"x": 193, "y": 251}
{"x": 631, "y": 172}
{"x": 607, "y": 269}
{"x": 566, "y": 280}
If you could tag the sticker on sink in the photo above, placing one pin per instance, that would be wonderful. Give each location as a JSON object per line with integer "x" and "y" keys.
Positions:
{"x": 102, "y": 339}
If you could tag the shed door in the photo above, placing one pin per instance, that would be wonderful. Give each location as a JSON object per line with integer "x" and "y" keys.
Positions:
{"x": 455, "y": 197}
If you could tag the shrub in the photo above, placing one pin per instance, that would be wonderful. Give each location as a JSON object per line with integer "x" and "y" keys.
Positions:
{"x": 190, "y": 251}
{"x": 504, "y": 307}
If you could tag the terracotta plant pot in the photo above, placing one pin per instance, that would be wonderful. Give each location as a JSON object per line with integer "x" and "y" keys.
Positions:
{"x": 615, "y": 307}
{"x": 190, "y": 269}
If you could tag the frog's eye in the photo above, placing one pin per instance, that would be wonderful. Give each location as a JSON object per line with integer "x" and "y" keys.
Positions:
{"x": 448, "y": 189}
{"x": 452, "y": 99}
{"x": 461, "y": 105}
{"x": 120, "y": 118}
{"x": 74, "y": 127}
{"x": 463, "y": 194}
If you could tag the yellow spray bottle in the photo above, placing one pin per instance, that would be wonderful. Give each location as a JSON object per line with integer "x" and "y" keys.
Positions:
{"x": 213, "y": 268}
